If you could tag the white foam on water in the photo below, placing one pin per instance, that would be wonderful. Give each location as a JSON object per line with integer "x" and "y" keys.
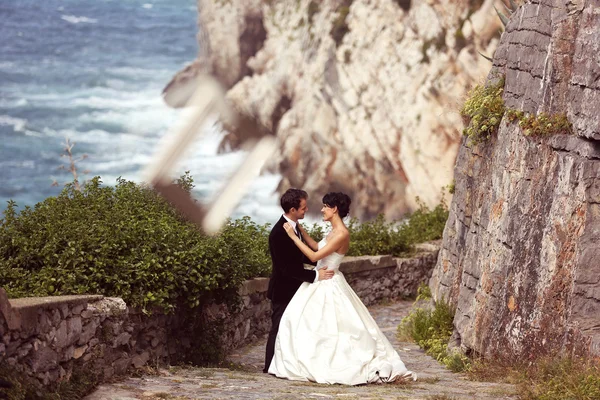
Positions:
{"x": 17, "y": 124}
{"x": 29, "y": 164}
{"x": 78, "y": 20}
{"x": 147, "y": 6}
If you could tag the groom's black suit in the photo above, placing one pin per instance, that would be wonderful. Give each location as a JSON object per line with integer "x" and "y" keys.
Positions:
{"x": 287, "y": 276}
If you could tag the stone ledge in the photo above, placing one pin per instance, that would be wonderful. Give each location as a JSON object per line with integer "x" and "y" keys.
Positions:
{"x": 256, "y": 285}
{"x": 366, "y": 263}
{"x": 51, "y": 302}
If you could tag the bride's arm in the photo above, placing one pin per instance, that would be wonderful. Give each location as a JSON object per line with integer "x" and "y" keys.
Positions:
{"x": 333, "y": 244}
{"x": 308, "y": 240}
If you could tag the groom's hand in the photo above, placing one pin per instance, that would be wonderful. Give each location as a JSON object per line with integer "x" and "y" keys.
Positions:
{"x": 325, "y": 274}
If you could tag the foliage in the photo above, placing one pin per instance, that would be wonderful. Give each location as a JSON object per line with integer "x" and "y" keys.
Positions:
{"x": 81, "y": 383}
{"x": 541, "y": 125}
{"x": 124, "y": 241}
{"x": 452, "y": 187}
{"x": 482, "y": 112}
{"x": 376, "y": 237}
{"x": 423, "y": 292}
{"x": 431, "y": 329}
{"x": 560, "y": 378}
{"x": 548, "y": 378}
{"x": 424, "y": 224}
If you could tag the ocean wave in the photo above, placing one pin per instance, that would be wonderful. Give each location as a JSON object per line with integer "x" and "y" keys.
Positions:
{"x": 126, "y": 100}
{"x": 29, "y": 164}
{"x": 78, "y": 20}
{"x": 147, "y": 6}
{"x": 17, "y": 124}
{"x": 13, "y": 103}
{"x": 155, "y": 74}
{"x": 143, "y": 121}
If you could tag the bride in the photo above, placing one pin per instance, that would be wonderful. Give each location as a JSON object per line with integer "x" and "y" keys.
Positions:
{"x": 326, "y": 334}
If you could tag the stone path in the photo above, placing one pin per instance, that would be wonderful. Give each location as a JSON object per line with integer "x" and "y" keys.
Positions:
{"x": 246, "y": 380}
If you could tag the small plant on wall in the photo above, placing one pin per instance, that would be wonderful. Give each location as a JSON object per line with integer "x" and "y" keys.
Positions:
{"x": 483, "y": 111}
{"x": 542, "y": 124}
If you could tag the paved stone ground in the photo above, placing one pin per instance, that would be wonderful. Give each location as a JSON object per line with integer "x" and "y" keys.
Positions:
{"x": 247, "y": 381}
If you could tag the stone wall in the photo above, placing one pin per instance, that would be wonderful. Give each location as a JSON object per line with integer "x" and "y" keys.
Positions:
{"x": 520, "y": 256}
{"x": 50, "y": 338}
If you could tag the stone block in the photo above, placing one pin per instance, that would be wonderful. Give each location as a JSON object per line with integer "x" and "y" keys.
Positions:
{"x": 67, "y": 353}
{"x": 121, "y": 365}
{"x": 61, "y": 339}
{"x": 74, "y": 329}
{"x": 76, "y": 310}
{"x": 89, "y": 331}
{"x": 122, "y": 339}
{"x": 43, "y": 360}
{"x": 141, "y": 359}
{"x": 79, "y": 351}
{"x": 64, "y": 311}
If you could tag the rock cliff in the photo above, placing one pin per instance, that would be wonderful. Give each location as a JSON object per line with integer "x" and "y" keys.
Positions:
{"x": 361, "y": 93}
{"x": 521, "y": 250}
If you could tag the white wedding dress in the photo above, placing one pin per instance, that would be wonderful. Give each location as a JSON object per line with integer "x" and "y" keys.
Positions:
{"x": 327, "y": 335}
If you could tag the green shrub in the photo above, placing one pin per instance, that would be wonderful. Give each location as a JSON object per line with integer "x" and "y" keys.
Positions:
{"x": 424, "y": 224}
{"x": 431, "y": 330}
{"x": 560, "y": 378}
{"x": 482, "y": 112}
{"x": 452, "y": 187}
{"x": 376, "y": 237}
{"x": 82, "y": 382}
{"x": 542, "y": 124}
{"x": 124, "y": 241}
{"x": 423, "y": 292}
{"x": 127, "y": 241}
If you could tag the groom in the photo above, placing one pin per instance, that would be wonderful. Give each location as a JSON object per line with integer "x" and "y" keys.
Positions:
{"x": 287, "y": 259}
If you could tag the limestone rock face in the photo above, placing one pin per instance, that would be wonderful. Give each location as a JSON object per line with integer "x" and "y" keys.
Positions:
{"x": 521, "y": 251}
{"x": 363, "y": 94}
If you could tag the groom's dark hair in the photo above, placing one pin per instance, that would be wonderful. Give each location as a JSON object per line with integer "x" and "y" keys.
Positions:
{"x": 291, "y": 199}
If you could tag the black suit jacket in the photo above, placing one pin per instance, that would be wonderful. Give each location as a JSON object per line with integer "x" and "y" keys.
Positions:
{"x": 288, "y": 269}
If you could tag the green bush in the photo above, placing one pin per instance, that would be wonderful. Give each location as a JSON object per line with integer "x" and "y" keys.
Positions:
{"x": 542, "y": 124}
{"x": 124, "y": 241}
{"x": 376, "y": 237}
{"x": 127, "y": 241}
{"x": 483, "y": 110}
{"x": 560, "y": 378}
{"x": 424, "y": 224}
{"x": 431, "y": 329}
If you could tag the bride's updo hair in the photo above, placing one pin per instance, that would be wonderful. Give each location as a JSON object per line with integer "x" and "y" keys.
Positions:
{"x": 340, "y": 200}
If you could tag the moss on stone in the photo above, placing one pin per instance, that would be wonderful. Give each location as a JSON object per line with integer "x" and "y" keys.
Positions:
{"x": 542, "y": 124}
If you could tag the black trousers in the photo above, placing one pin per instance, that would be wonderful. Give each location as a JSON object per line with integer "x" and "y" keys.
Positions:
{"x": 277, "y": 309}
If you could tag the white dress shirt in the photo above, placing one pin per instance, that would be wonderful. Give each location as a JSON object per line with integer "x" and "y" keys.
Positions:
{"x": 293, "y": 224}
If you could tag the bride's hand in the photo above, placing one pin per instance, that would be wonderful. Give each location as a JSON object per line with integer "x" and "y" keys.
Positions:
{"x": 290, "y": 231}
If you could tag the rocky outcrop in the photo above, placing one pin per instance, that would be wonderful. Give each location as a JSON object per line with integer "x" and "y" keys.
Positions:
{"x": 362, "y": 94}
{"x": 521, "y": 250}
